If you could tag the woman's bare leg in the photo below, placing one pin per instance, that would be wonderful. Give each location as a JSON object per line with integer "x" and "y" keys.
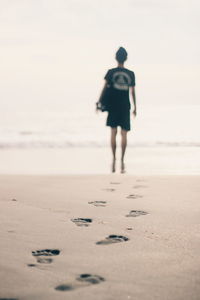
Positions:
{"x": 123, "y": 146}
{"x": 113, "y": 146}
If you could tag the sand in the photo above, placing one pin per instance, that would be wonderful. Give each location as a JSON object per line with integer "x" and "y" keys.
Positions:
{"x": 153, "y": 252}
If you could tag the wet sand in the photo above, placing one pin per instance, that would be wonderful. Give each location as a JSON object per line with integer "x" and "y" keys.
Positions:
{"x": 100, "y": 237}
{"x": 89, "y": 161}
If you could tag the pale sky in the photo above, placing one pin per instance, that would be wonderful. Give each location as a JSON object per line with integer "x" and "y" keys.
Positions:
{"x": 55, "y": 53}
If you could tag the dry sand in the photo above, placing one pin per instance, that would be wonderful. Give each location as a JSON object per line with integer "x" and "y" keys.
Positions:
{"x": 159, "y": 261}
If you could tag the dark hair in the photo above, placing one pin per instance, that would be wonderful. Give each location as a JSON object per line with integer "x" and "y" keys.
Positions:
{"x": 121, "y": 55}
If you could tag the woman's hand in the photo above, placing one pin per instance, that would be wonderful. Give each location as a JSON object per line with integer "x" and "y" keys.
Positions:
{"x": 134, "y": 100}
{"x": 97, "y": 106}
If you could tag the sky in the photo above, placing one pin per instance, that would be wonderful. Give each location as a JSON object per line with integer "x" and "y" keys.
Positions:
{"x": 54, "y": 53}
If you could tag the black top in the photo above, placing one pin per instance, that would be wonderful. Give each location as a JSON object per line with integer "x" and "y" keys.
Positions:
{"x": 119, "y": 80}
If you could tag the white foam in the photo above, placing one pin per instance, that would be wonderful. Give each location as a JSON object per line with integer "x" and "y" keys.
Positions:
{"x": 157, "y": 127}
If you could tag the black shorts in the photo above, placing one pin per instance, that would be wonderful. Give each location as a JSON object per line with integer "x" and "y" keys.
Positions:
{"x": 119, "y": 118}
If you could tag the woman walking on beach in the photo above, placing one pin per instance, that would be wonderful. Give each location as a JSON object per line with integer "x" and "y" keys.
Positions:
{"x": 119, "y": 82}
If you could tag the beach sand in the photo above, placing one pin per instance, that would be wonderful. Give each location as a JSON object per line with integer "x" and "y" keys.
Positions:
{"x": 153, "y": 251}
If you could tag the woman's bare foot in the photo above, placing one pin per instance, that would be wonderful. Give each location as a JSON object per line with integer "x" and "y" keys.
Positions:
{"x": 123, "y": 167}
{"x": 114, "y": 165}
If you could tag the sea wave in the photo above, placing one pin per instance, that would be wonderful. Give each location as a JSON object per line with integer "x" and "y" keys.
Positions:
{"x": 155, "y": 127}
{"x": 89, "y": 144}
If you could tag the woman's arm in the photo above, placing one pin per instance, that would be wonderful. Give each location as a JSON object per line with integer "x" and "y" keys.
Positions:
{"x": 134, "y": 99}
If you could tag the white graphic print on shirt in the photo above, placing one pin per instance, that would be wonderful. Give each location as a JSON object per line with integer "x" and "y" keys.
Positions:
{"x": 121, "y": 81}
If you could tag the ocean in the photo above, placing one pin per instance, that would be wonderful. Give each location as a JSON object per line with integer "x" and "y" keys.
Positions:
{"x": 163, "y": 140}
{"x": 174, "y": 126}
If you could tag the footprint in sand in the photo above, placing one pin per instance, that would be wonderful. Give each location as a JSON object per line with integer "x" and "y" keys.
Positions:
{"x": 139, "y": 186}
{"x": 136, "y": 213}
{"x": 109, "y": 190}
{"x": 81, "y": 281}
{"x": 134, "y": 196}
{"x": 141, "y": 180}
{"x": 98, "y": 203}
{"x": 112, "y": 239}
{"x": 82, "y": 221}
{"x": 31, "y": 265}
{"x": 40, "y": 256}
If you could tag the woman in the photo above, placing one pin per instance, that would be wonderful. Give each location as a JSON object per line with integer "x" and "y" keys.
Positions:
{"x": 120, "y": 82}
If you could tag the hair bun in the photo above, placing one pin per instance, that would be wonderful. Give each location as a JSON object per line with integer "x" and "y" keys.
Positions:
{"x": 121, "y": 55}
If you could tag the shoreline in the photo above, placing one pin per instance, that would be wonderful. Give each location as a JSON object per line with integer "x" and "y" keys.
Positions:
{"x": 138, "y": 161}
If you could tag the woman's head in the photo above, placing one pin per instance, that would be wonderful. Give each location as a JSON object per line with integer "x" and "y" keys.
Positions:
{"x": 121, "y": 55}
